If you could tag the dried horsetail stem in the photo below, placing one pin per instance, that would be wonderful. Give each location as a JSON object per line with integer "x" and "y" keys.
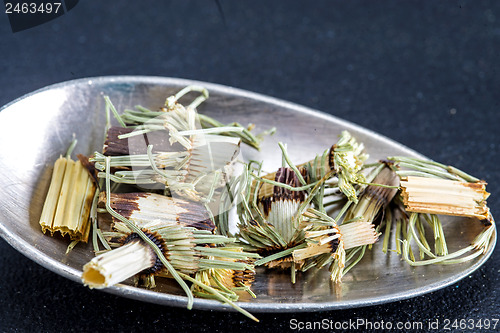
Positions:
{"x": 143, "y": 207}
{"x": 324, "y": 237}
{"x": 462, "y": 194}
{"x": 115, "y": 266}
{"x": 187, "y": 249}
{"x": 358, "y": 225}
{"x": 375, "y": 198}
{"x": 321, "y": 234}
{"x": 180, "y": 229}
{"x": 184, "y": 247}
{"x": 227, "y": 281}
{"x": 115, "y": 145}
{"x": 435, "y": 188}
{"x": 276, "y": 234}
{"x": 175, "y": 151}
{"x": 356, "y": 234}
{"x": 345, "y": 158}
{"x": 183, "y": 227}
{"x": 446, "y": 197}
{"x": 433, "y": 195}
{"x": 191, "y": 174}
{"x": 67, "y": 206}
{"x": 141, "y": 117}
{"x": 280, "y": 208}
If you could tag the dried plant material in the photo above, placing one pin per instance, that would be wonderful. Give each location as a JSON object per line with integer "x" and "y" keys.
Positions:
{"x": 412, "y": 166}
{"x": 117, "y": 265}
{"x": 299, "y": 245}
{"x": 356, "y": 234}
{"x": 229, "y": 269}
{"x": 195, "y": 170}
{"x": 324, "y": 236}
{"x": 478, "y": 247}
{"x": 344, "y": 160}
{"x": 187, "y": 249}
{"x": 227, "y": 281}
{"x": 262, "y": 237}
{"x": 148, "y": 120}
{"x": 144, "y": 207}
{"x": 180, "y": 251}
{"x": 276, "y": 234}
{"x": 434, "y": 188}
{"x": 67, "y": 206}
{"x": 321, "y": 234}
{"x": 284, "y": 219}
{"x": 280, "y": 208}
{"x": 375, "y": 197}
{"x": 266, "y": 190}
{"x": 115, "y": 145}
{"x": 171, "y": 150}
{"x": 446, "y": 197}
{"x": 348, "y": 158}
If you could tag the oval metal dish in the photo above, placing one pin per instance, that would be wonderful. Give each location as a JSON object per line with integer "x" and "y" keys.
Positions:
{"x": 41, "y": 125}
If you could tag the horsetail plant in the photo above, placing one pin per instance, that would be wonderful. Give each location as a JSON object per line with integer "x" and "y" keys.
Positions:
{"x": 144, "y": 120}
{"x": 163, "y": 244}
{"x": 430, "y": 189}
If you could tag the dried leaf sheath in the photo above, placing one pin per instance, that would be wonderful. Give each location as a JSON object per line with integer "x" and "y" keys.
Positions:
{"x": 275, "y": 234}
{"x": 446, "y": 197}
{"x": 67, "y": 205}
{"x": 280, "y": 208}
{"x": 50, "y": 205}
{"x": 143, "y": 207}
{"x": 375, "y": 198}
{"x": 327, "y": 240}
{"x": 435, "y": 188}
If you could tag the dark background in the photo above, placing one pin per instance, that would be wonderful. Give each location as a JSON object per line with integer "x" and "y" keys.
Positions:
{"x": 423, "y": 73}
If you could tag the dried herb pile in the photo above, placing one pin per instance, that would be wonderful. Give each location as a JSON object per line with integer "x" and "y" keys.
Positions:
{"x": 168, "y": 197}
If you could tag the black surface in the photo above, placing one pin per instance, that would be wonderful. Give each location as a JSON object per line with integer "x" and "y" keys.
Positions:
{"x": 425, "y": 74}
